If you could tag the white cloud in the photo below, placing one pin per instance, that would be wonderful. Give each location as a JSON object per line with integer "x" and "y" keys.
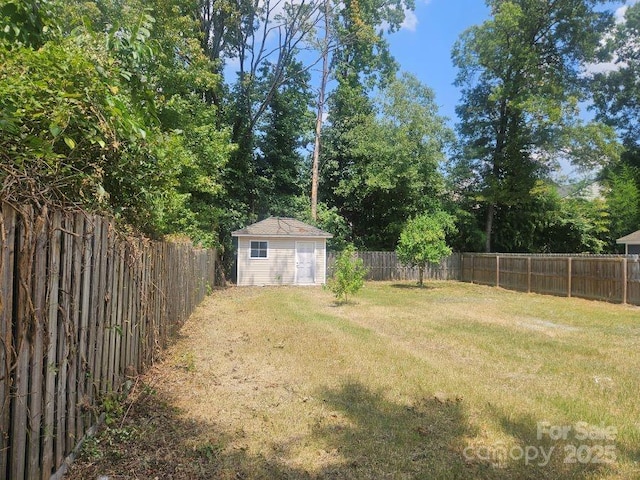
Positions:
{"x": 410, "y": 21}
{"x": 619, "y": 13}
{"x": 606, "y": 67}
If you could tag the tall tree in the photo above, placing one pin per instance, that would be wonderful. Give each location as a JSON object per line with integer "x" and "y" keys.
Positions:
{"x": 395, "y": 152}
{"x": 617, "y": 92}
{"x": 282, "y": 135}
{"x": 617, "y": 102}
{"x": 520, "y": 74}
{"x": 268, "y": 38}
{"x": 354, "y": 53}
{"x": 324, "y": 47}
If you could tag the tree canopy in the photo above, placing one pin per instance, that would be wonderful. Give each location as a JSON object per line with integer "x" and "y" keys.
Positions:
{"x": 196, "y": 117}
{"x": 520, "y": 74}
{"x": 423, "y": 241}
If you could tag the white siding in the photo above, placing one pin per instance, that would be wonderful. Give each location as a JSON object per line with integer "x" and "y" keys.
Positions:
{"x": 279, "y": 268}
{"x": 321, "y": 261}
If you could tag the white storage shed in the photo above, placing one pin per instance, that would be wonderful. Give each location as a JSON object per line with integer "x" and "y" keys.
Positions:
{"x": 281, "y": 251}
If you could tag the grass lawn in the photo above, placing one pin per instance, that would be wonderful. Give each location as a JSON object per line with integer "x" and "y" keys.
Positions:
{"x": 449, "y": 381}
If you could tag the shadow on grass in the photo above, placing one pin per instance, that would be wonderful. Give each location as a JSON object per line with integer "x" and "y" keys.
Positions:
{"x": 344, "y": 303}
{"x": 413, "y": 286}
{"x": 363, "y": 434}
{"x": 376, "y": 438}
{"x": 555, "y": 451}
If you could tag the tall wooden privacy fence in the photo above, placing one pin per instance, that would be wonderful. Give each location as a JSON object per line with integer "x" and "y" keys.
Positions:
{"x": 614, "y": 278}
{"x": 386, "y": 266}
{"x": 80, "y": 310}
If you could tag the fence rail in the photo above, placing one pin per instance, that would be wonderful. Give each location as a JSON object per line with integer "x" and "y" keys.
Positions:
{"x": 613, "y": 278}
{"x": 80, "y": 310}
{"x": 386, "y": 266}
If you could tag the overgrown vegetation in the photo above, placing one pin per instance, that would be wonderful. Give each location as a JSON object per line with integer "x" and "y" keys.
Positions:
{"x": 129, "y": 108}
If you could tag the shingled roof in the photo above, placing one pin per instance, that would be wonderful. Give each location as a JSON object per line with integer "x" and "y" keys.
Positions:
{"x": 631, "y": 238}
{"x": 281, "y": 227}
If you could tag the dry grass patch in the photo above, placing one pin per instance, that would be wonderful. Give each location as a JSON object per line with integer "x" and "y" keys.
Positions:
{"x": 448, "y": 381}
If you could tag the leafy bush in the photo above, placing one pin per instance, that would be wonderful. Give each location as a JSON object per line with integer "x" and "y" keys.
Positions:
{"x": 110, "y": 120}
{"x": 349, "y": 274}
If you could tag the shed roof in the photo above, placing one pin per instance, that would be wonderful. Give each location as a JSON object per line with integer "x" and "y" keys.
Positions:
{"x": 631, "y": 238}
{"x": 281, "y": 227}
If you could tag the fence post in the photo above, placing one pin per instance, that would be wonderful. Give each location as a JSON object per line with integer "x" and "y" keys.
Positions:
{"x": 625, "y": 280}
{"x": 473, "y": 267}
{"x": 497, "y": 270}
{"x": 569, "y": 275}
{"x": 528, "y": 274}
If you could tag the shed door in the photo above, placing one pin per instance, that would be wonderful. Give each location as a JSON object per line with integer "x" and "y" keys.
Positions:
{"x": 305, "y": 262}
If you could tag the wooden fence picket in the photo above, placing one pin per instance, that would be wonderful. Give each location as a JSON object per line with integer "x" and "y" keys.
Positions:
{"x": 22, "y": 344}
{"x": 36, "y": 388}
{"x": 90, "y": 309}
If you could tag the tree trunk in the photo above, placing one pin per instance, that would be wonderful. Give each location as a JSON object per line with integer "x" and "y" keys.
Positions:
{"x": 315, "y": 168}
{"x": 498, "y": 155}
{"x": 420, "y": 275}
{"x": 491, "y": 211}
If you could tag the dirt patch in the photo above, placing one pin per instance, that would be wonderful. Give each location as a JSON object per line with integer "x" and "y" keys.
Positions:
{"x": 546, "y": 326}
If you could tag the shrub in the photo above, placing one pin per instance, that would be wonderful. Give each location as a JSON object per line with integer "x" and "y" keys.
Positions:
{"x": 349, "y": 274}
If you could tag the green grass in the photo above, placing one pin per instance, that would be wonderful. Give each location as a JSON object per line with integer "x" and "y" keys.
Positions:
{"x": 448, "y": 381}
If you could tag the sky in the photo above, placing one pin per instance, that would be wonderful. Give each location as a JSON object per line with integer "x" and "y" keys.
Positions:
{"x": 423, "y": 46}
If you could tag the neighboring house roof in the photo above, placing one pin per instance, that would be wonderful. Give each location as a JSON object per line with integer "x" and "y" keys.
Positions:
{"x": 631, "y": 238}
{"x": 281, "y": 227}
{"x": 586, "y": 189}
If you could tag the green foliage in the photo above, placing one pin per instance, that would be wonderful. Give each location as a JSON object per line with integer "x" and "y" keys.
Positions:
{"x": 520, "y": 73}
{"x": 71, "y": 132}
{"x": 330, "y": 220}
{"x": 547, "y": 223}
{"x": 349, "y": 274}
{"x": 423, "y": 240}
{"x": 112, "y": 407}
{"x": 26, "y": 23}
{"x": 110, "y": 114}
{"x": 390, "y": 151}
{"x": 361, "y": 52}
{"x": 622, "y": 203}
{"x": 617, "y": 92}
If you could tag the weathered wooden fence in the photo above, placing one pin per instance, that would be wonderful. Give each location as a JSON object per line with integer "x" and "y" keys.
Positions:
{"x": 80, "y": 309}
{"x": 614, "y": 278}
{"x": 386, "y": 266}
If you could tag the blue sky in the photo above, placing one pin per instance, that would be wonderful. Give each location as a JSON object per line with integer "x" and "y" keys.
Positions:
{"x": 423, "y": 46}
